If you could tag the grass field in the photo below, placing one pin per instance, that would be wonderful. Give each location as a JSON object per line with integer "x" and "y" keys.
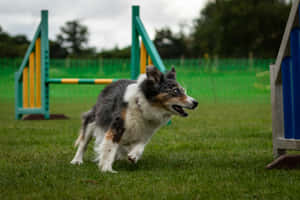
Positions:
{"x": 218, "y": 152}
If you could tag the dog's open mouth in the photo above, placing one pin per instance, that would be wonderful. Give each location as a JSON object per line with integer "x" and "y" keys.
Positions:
{"x": 179, "y": 110}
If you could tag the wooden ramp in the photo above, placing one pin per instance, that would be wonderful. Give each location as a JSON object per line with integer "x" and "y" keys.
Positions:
{"x": 285, "y": 94}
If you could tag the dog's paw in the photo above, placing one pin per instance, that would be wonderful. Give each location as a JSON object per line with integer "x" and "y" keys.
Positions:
{"x": 76, "y": 162}
{"x": 132, "y": 159}
{"x": 110, "y": 171}
{"x": 107, "y": 169}
{"x": 136, "y": 153}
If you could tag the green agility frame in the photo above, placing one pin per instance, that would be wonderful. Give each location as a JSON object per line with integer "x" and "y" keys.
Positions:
{"x": 138, "y": 29}
{"x": 38, "y": 77}
{"x": 42, "y": 32}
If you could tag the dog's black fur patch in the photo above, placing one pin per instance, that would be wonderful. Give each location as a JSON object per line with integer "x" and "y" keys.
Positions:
{"x": 110, "y": 103}
{"x": 118, "y": 129}
{"x": 171, "y": 74}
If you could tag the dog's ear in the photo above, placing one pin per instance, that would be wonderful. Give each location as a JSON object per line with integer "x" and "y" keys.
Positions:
{"x": 154, "y": 74}
{"x": 171, "y": 74}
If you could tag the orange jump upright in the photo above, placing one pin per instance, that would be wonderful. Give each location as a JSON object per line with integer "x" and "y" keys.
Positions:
{"x": 143, "y": 59}
{"x": 38, "y": 97}
{"x": 25, "y": 87}
{"x": 31, "y": 80}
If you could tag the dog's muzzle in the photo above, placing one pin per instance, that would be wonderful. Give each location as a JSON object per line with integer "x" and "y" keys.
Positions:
{"x": 195, "y": 104}
{"x": 192, "y": 103}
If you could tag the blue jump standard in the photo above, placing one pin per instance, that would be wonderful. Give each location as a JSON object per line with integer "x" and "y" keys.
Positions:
{"x": 295, "y": 83}
{"x": 287, "y": 97}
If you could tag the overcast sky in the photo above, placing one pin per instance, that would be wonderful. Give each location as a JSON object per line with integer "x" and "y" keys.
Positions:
{"x": 108, "y": 21}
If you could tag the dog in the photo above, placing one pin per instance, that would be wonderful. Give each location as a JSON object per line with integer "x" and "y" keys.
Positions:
{"x": 128, "y": 113}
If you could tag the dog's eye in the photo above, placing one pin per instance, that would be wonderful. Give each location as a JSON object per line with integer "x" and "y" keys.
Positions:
{"x": 176, "y": 91}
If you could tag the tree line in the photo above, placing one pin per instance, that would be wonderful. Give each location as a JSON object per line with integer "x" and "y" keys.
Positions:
{"x": 223, "y": 28}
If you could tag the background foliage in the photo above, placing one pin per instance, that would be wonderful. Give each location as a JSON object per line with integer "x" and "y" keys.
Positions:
{"x": 224, "y": 28}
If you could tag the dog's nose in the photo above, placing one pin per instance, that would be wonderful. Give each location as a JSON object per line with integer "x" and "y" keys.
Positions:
{"x": 195, "y": 104}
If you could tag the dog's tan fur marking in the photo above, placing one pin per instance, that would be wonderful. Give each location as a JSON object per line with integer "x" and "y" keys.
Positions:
{"x": 163, "y": 98}
{"x": 160, "y": 99}
{"x": 183, "y": 98}
{"x": 109, "y": 135}
{"x": 123, "y": 113}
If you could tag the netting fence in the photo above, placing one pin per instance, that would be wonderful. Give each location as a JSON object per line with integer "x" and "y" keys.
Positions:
{"x": 214, "y": 80}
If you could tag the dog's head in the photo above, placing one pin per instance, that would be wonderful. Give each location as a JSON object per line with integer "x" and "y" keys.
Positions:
{"x": 162, "y": 90}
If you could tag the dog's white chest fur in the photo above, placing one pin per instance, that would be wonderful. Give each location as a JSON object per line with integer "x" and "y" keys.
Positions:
{"x": 142, "y": 119}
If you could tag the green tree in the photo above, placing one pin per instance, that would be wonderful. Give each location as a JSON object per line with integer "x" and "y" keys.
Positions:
{"x": 56, "y": 50}
{"x": 234, "y": 28}
{"x": 168, "y": 44}
{"x": 74, "y": 37}
{"x": 115, "y": 52}
{"x": 12, "y": 46}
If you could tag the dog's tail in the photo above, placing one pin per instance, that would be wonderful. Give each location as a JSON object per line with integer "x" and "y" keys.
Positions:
{"x": 87, "y": 117}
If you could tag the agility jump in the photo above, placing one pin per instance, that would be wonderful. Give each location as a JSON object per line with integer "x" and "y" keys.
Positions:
{"x": 32, "y": 79}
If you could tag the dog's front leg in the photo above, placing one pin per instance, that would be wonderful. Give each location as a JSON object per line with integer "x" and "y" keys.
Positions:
{"x": 108, "y": 153}
{"x": 110, "y": 145}
{"x": 136, "y": 152}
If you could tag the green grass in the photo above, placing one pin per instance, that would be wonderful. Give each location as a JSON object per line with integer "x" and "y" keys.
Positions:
{"x": 218, "y": 152}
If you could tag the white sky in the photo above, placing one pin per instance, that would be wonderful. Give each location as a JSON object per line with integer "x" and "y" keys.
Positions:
{"x": 108, "y": 21}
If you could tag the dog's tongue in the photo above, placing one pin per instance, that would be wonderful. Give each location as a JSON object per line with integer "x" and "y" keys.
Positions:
{"x": 180, "y": 110}
{"x": 184, "y": 114}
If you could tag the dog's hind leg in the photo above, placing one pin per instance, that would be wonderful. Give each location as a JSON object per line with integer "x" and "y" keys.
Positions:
{"x": 82, "y": 142}
{"x": 110, "y": 144}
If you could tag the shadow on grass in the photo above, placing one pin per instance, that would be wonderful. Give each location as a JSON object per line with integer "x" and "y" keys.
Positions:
{"x": 178, "y": 162}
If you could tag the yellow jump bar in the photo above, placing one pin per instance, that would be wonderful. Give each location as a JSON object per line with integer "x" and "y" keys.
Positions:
{"x": 80, "y": 81}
